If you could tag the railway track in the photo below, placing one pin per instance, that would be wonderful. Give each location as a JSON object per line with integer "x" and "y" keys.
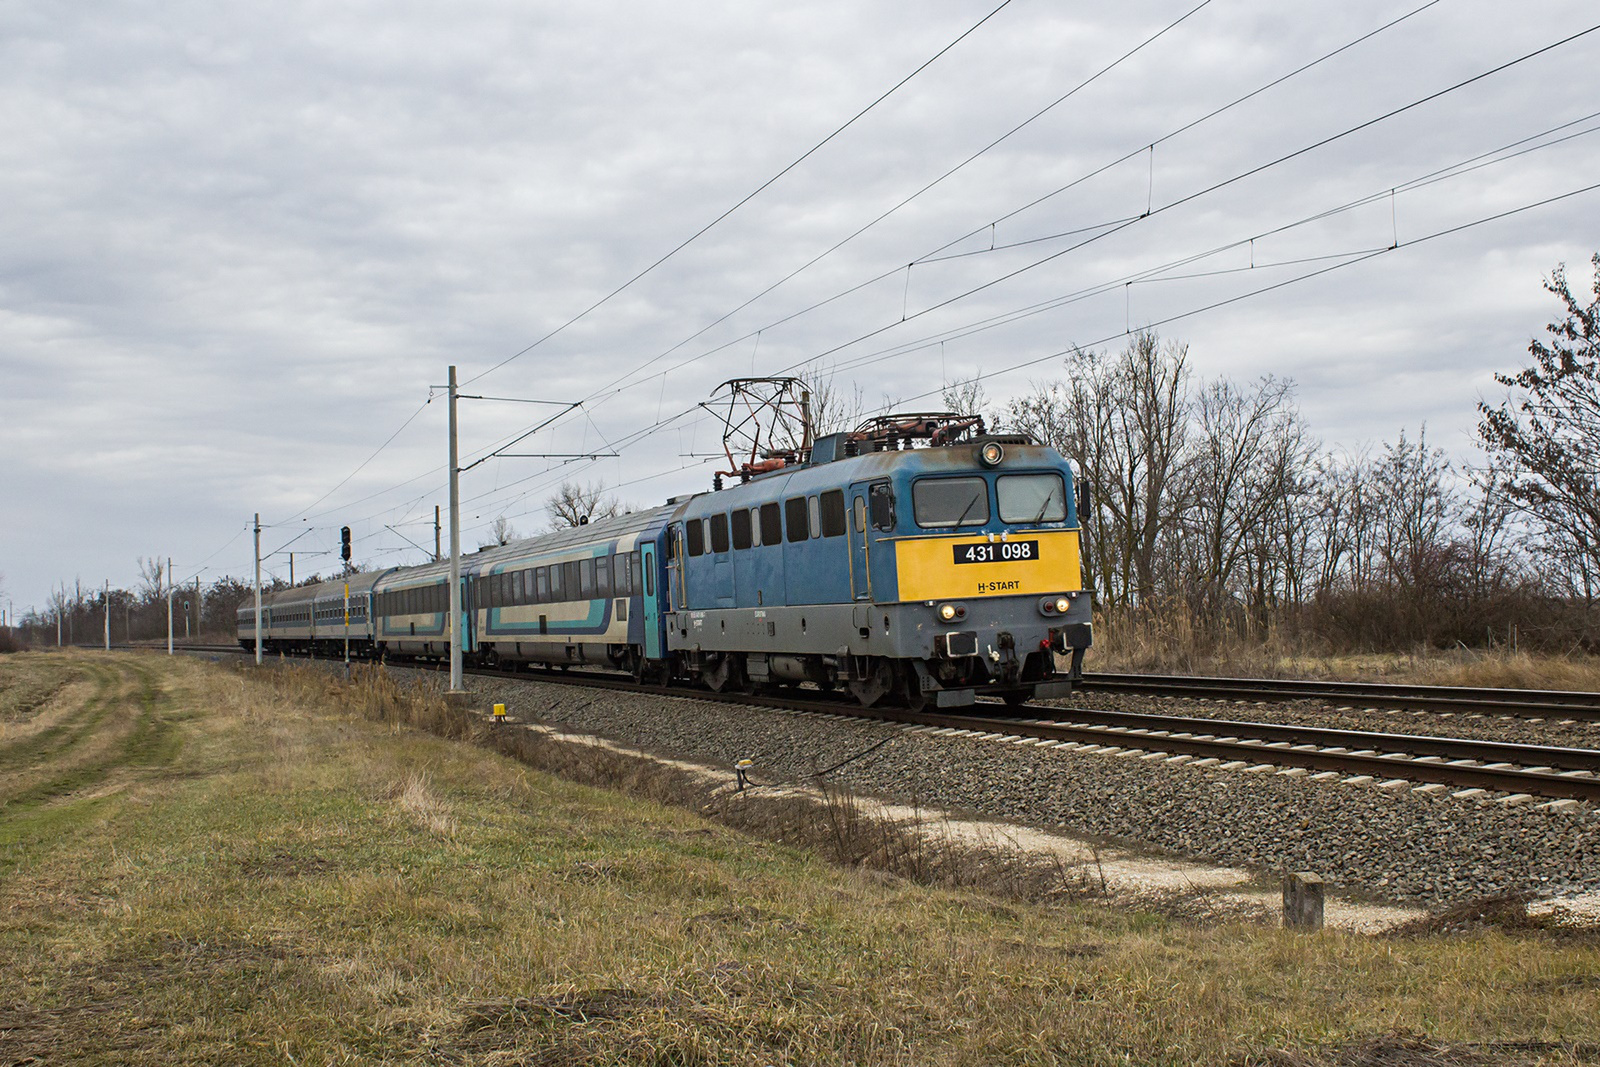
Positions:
{"x": 1458, "y": 700}
{"x": 1385, "y": 759}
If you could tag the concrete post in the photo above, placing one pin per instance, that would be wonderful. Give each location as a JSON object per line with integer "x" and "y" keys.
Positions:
{"x": 1303, "y": 894}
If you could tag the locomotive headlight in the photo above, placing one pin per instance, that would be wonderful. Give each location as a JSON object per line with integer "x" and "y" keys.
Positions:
{"x": 1062, "y": 604}
{"x": 991, "y": 454}
{"x": 947, "y": 612}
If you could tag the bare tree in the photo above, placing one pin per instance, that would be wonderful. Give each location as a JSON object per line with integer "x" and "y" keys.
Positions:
{"x": 833, "y": 407}
{"x": 970, "y": 398}
{"x": 501, "y": 532}
{"x": 1235, "y": 478}
{"x": 152, "y": 579}
{"x": 575, "y": 505}
{"x": 1547, "y": 429}
{"x": 1415, "y": 514}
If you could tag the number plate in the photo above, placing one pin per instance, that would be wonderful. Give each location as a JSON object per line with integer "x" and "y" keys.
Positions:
{"x": 997, "y": 552}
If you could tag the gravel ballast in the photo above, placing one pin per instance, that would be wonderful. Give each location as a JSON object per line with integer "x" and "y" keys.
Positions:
{"x": 1396, "y": 845}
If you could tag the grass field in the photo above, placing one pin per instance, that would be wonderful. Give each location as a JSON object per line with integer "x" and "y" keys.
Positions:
{"x": 201, "y": 865}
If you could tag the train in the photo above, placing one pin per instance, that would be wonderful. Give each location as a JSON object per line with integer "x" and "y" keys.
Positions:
{"x": 915, "y": 560}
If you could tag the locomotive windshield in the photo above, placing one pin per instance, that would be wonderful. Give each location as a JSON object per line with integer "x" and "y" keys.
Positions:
{"x": 1032, "y": 498}
{"x": 950, "y": 501}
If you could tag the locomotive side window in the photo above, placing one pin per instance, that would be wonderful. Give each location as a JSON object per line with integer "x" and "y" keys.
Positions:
{"x": 771, "y": 524}
{"x": 1032, "y": 498}
{"x": 719, "y": 532}
{"x": 697, "y": 537}
{"x": 950, "y": 501}
{"x": 795, "y": 513}
{"x": 881, "y": 503}
{"x": 741, "y": 529}
{"x": 832, "y": 513}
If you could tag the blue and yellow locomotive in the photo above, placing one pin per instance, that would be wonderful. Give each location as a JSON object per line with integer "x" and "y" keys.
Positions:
{"x": 912, "y": 560}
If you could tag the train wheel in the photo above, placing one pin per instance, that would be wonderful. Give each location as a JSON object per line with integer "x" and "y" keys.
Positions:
{"x": 877, "y": 684}
{"x": 911, "y": 691}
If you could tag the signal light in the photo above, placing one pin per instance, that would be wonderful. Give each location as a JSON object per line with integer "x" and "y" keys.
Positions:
{"x": 344, "y": 543}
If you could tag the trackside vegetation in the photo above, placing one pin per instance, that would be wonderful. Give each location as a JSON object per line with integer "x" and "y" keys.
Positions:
{"x": 207, "y": 865}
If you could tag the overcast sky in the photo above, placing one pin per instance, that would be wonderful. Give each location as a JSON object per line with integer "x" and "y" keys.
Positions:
{"x": 239, "y": 244}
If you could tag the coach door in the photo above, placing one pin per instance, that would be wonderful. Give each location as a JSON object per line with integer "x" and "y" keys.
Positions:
{"x": 652, "y": 600}
{"x": 860, "y": 557}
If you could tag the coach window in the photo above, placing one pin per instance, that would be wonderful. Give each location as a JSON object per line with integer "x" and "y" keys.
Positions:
{"x": 741, "y": 529}
{"x": 719, "y": 532}
{"x": 697, "y": 537}
{"x": 950, "y": 501}
{"x": 880, "y": 501}
{"x": 832, "y": 513}
{"x": 519, "y": 589}
{"x": 586, "y": 579}
{"x": 570, "y": 580}
{"x": 620, "y": 573}
{"x": 795, "y": 515}
{"x": 1032, "y": 497}
{"x": 602, "y": 576}
{"x": 558, "y": 592}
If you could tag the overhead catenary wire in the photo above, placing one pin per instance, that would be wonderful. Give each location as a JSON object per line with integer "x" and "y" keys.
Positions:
{"x": 612, "y": 389}
{"x": 962, "y": 165}
{"x": 1205, "y": 191}
{"x": 746, "y": 199}
{"x": 1158, "y": 273}
{"x": 1448, "y": 231}
{"x": 1060, "y": 189}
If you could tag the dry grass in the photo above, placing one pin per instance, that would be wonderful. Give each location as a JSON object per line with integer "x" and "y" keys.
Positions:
{"x": 298, "y": 883}
{"x": 1172, "y": 642}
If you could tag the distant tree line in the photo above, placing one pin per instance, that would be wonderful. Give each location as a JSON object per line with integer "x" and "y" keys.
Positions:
{"x": 1212, "y": 501}
{"x": 78, "y": 613}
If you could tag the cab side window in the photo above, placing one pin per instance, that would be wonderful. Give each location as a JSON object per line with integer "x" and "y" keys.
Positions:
{"x": 880, "y": 503}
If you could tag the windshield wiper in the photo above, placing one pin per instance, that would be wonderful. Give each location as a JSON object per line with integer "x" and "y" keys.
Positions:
{"x": 970, "y": 505}
{"x": 1051, "y": 495}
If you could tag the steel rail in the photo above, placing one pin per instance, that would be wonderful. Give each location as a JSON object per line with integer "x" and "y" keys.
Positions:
{"x": 1525, "y": 703}
{"x": 1524, "y": 755}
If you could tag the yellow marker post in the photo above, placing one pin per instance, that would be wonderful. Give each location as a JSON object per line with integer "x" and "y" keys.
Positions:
{"x": 499, "y": 713}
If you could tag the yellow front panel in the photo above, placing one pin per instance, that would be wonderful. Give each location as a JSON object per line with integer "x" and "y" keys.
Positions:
{"x": 928, "y": 571}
